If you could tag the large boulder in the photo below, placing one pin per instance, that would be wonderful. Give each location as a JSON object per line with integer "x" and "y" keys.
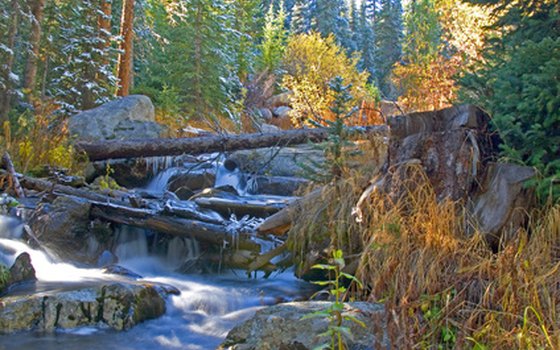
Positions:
{"x": 502, "y": 204}
{"x": 63, "y": 227}
{"x": 283, "y": 327}
{"x": 288, "y": 161}
{"x": 117, "y": 305}
{"x": 130, "y": 117}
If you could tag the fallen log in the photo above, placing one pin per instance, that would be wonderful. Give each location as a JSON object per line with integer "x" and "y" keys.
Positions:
{"x": 117, "y": 210}
{"x": 241, "y": 207}
{"x": 279, "y": 223}
{"x": 209, "y": 144}
{"x": 148, "y": 219}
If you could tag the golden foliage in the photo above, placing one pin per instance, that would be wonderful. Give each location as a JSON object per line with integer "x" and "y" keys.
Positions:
{"x": 430, "y": 83}
{"x": 37, "y": 141}
{"x": 311, "y": 62}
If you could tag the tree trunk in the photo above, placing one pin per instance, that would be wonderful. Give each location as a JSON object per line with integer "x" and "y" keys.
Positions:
{"x": 6, "y": 93}
{"x": 124, "y": 67}
{"x": 208, "y": 144}
{"x": 37, "y": 10}
{"x": 104, "y": 23}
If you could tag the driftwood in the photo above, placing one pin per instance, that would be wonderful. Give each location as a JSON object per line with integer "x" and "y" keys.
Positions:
{"x": 208, "y": 144}
{"x": 13, "y": 176}
{"x": 279, "y": 223}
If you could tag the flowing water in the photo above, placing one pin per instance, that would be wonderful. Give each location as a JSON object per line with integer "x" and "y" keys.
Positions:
{"x": 199, "y": 318}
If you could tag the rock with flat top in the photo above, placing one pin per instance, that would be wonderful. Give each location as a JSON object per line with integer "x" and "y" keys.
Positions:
{"x": 283, "y": 327}
{"x": 130, "y": 117}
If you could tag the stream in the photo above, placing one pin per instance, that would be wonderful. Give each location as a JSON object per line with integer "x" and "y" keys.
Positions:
{"x": 208, "y": 307}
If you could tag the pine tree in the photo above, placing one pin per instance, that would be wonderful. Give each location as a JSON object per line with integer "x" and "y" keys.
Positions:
{"x": 365, "y": 39}
{"x": 8, "y": 79}
{"x": 518, "y": 84}
{"x": 274, "y": 40}
{"x": 192, "y": 63}
{"x": 300, "y": 19}
{"x": 82, "y": 77}
{"x": 247, "y": 25}
{"x": 388, "y": 29}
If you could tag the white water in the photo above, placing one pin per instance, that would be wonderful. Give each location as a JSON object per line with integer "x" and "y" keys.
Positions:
{"x": 199, "y": 318}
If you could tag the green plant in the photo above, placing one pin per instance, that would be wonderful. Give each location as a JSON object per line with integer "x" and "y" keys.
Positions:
{"x": 4, "y": 277}
{"x": 106, "y": 182}
{"x": 335, "y": 312}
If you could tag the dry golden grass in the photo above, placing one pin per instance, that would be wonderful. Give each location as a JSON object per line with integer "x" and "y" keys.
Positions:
{"x": 443, "y": 289}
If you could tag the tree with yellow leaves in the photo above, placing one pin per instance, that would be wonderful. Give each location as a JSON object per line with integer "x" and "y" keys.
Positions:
{"x": 311, "y": 62}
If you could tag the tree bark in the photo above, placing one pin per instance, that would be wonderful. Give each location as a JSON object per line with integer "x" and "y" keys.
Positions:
{"x": 13, "y": 176}
{"x": 6, "y": 93}
{"x": 104, "y": 25}
{"x": 208, "y": 144}
{"x": 124, "y": 67}
{"x": 37, "y": 10}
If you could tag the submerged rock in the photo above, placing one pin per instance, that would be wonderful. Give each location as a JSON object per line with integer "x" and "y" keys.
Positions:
{"x": 282, "y": 327}
{"x": 116, "y": 305}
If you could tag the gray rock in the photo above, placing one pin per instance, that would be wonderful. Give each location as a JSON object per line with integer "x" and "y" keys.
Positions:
{"x": 281, "y": 327}
{"x": 283, "y": 99}
{"x": 22, "y": 270}
{"x": 281, "y": 112}
{"x": 64, "y": 228}
{"x": 116, "y": 305}
{"x": 130, "y": 117}
{"x": 278, "y": 185}
{"x": 502, "y": 204}
{"x": 288, "y": 161}
{"x": 269, "y": 128}
{"x": 265, "y": 114}
{"x": 191, "y": 180}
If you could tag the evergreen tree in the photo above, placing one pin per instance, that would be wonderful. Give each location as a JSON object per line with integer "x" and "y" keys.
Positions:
{"x": 518, "y": 84}
{"x": 331, "y": 17}
{"x": 388, "y": 37}
{"x": 365, "y": 40}
{"x": 301, "y": 21}
{"x": 193, "y": 60}
{"x": 274, "y": 40}
{"x": 247, "y": 25}
{"x": 83, "y": 75}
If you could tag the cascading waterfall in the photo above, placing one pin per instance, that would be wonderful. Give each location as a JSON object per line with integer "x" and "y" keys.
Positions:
{"x": 199, "y": 318}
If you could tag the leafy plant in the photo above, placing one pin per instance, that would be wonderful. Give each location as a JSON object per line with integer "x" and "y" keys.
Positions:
{"x": 337, "y": 331}
{"x": 106, "y": 182}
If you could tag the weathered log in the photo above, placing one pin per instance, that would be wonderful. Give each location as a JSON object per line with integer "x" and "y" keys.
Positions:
{"x": 279, "y": 223}
{"x": 117, "y": 210}
{"x": 13, "y": 176}
{"x": 149, "y": 219}
{"x": 241, "y": 207}
{"x": 208, "y": 144}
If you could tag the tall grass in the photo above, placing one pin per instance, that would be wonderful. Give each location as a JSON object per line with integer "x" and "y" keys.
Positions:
{"x": 443, "y": 288}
